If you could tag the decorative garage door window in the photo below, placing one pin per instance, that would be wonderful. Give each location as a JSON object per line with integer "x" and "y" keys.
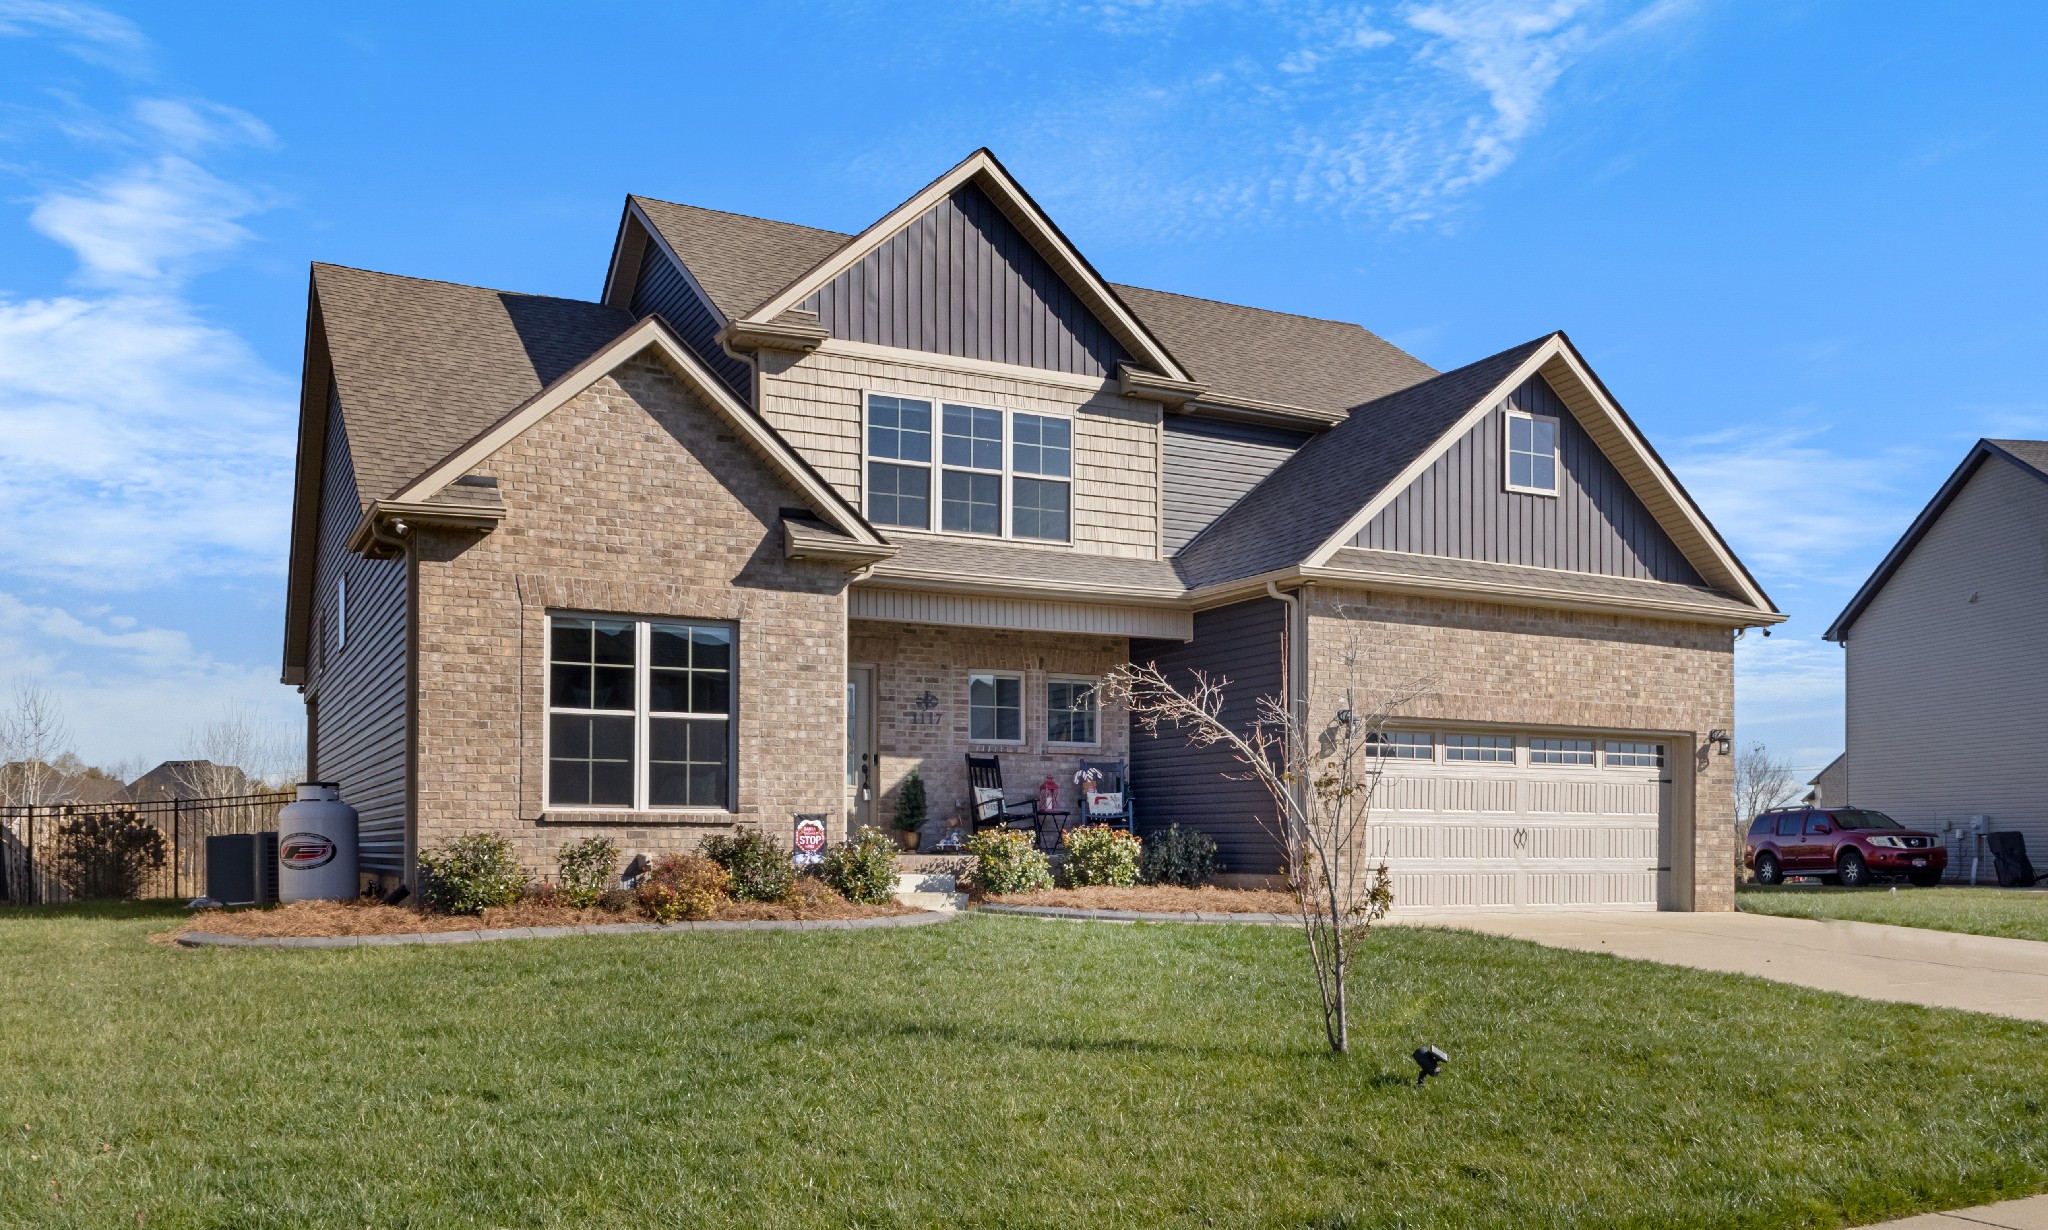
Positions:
{"x": 1626, "y": 755}
{"x": 1561, "y": 751}
{"x": 639, "y": 714}
{"x": 1400, "y": 745}
{"x": 1493, "y": 749}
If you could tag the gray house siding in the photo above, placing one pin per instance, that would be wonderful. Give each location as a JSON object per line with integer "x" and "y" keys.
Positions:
{"x": 665, "y": 289}
{"x": 1947, "y": 668}
{"x": 356, "y": 689}
{"x": 1460, "y": 507}
{"x": 1174, "y": 783}
{"x": 1209, "y": 465}
{"x": 962, "y": 281}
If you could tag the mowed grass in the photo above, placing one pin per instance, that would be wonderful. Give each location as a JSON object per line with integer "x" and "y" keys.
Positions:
{"x": 988, "y": 1072}
{"x": 1977, "y": 911}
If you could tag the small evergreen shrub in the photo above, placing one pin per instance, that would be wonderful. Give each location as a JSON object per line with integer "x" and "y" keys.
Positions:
{"x": 759, "y": 866}
{"x": 911, "y": 811}
{"x": 862, "y": 869}
{"x": 585, "y": 870}
{"x": 1175, "y": 855}
{"x": 470, "y": 875}
{"x": 1099, "y": 854}
{"x": 617, "y": 900}
{"x": 681, "y": 886}
{"x": 1007, "y": 861}
{"x": 107, "y": 854}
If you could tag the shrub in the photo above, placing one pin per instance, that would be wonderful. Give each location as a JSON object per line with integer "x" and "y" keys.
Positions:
{"x": 543, "y": 892}
{"x": 1175, "y": 855}
{"x": 682, "y": 886}
{"x": 586, "y": 869}
{"x": 862, "y": 869}
{"x": 1007, "y": 861}
{"x": 911, "y": 811}
{"x": 107, "y": 854}
{"x": 759, "y": 867}
{"x": 1099, "y": 854}
{"x": 470, "y": 875}
{"x": 618, "y": 900}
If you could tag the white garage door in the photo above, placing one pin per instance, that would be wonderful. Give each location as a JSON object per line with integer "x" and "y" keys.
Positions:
{"x": 1501, "y": 821}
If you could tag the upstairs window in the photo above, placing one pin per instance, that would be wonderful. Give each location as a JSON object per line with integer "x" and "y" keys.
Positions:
{"x": 900, "y": 462}
{"x": 996, "y": 473}
{"x": 1532, "y": 453}
{"x": 1043, "y": 461}
{"x": 971, "y": 500}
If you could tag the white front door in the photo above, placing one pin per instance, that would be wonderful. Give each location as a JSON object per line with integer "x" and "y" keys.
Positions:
{"x": 861, "y": 783}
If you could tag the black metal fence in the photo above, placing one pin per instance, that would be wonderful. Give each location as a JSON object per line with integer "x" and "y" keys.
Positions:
{"x": 33, "y": 839}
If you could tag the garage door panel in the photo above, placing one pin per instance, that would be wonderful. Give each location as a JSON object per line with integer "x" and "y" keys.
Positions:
{"x": 1593, "y": 842}
{"x": 1434, "y": 793}
{"x": 1433, "y": 840}
{"x": 1455, "y": 889}
{"x": 1590, "y": 888}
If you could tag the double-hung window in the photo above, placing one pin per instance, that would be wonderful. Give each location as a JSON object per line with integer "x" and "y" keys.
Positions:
{"x": 639, "y": 713}
{"x": 1072, "y": 712}
{"x": 971, "y": 470}
{"x": 995, "y": 707}
{"x": 1531, "y": 453}
{"x": 900, "y": 462}
{"x": 1042, "y": 463}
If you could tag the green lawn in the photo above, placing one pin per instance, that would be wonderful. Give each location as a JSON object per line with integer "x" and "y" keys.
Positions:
{"x": 989, "y": 1072}
{"x": 1978, "y": 911}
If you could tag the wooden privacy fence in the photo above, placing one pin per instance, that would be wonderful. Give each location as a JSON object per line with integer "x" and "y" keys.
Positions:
{"x": 32, "y": 839}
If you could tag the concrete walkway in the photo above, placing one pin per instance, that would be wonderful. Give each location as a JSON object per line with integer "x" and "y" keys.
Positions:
{"x": 2028, "y": 1214}
{"x": 1940, "y": 969}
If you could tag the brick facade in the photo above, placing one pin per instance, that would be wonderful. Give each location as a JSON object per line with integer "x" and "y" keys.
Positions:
{"x": 631, "y": 499}
{"x": 1533, "y": 668}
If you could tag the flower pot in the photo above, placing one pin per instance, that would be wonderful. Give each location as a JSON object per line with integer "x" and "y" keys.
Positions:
{"x": 907, "y": 838}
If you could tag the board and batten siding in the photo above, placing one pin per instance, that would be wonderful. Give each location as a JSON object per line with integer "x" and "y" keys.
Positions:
{"x": 666, "y": 289}
{"x": 1947, "y": 671}
{"x": 1461, "y": 508}
{"x": 962, "y": 280}
{"x": 1174, "y": 783}
{"x": 1210, "y": 465}
{"x": 356, "y": 689}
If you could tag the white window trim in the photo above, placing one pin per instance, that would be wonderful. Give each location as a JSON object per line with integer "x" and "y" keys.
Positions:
{"x": 643, "y": 656}
{"x": 1507, "y": 460}
{"x": 936, "y": 468}
{"x": 340, "y": 613}
{"x": 1023, "y": 707}
{"x": 1094, "y": 683}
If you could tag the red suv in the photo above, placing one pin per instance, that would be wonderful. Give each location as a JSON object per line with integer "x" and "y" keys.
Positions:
{"x": 1848, "y": 845}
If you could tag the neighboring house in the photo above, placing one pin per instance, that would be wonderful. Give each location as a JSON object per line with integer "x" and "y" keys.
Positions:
{"x": 1946, "y": 651}
{"x": 1830, "y": 786}
{"x": 787, "y": 513}
{"x": 189, "y": 779}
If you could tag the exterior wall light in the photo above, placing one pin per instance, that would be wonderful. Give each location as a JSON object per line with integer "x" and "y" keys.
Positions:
{"x": 1723, "y": 739}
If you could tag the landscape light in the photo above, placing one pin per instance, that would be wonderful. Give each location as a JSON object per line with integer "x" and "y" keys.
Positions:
{"x": 1429, "y": 1059}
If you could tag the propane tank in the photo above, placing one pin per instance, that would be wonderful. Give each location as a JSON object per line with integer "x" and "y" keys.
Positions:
{"x": 316, "y": 846}
{"x": 1048, "y": 794}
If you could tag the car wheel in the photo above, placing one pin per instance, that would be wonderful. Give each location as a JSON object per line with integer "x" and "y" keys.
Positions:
{"x": 1925, "y": 879}
{"x": 1767, "y": 869}
{"x": 1852, "y": 870}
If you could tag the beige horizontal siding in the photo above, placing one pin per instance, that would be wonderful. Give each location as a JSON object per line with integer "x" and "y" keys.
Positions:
{"x": 1025, "y": 614}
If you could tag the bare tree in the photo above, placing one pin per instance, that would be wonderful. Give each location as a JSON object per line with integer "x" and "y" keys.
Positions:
{"x": 1322, "y": 774}
{"x": 33, "y": 736}
{"x": 1762, "y": 781}
{"x": 235, "y": 753}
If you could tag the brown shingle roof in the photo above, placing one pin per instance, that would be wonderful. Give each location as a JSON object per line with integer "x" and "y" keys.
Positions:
{"x": 740, "y": 261}
{"x": 994, "y": 563}
{"x": 423, "y": 366}
{"x": 1564, "y": 584}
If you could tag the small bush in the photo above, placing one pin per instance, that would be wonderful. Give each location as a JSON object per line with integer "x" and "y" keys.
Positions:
{"x": 1099, "y": 854}
{"x": 1175, "y": 855}
{"x": 862, "y": 869}
{"x": 543, "y": 892}
{"x": 107, "y": 855}
{"x": 1007, "y": 861}
{"x": 681, "y": 886}
{"x": 617, "y": 900}
{"x": 759, "y": 867}
{"x": 911, "y": 810}
{"x": 470, "y": 875}
{"x": 586, "y": 869}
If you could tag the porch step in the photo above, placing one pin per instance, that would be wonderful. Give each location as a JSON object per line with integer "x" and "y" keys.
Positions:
{"x": 944, "y": 903}
{"x": 926, "y": 882}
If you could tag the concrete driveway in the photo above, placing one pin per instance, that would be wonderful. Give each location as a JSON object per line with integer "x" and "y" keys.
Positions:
{"x": 1937, "y": 968}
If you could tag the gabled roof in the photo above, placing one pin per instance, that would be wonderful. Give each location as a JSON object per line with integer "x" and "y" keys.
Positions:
{"x": 738, "y": 261}
{"x": 2031, "y": 456}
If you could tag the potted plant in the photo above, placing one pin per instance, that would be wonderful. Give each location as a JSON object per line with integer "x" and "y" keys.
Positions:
{"x": 910, "y": 811}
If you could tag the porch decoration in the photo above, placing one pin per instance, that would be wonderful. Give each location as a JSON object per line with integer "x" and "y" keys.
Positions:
{"x": 911, "y": 811}
{"x": 1048, "y": 794}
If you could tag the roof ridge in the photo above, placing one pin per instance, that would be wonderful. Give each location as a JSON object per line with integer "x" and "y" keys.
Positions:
{"x": 494, "y": 290}
{"x": 1249, "y": 307}
{"x": 733, "y": 213}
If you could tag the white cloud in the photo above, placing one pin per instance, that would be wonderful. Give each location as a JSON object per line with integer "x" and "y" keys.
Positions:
{"x": 1788, "y": 696}
{"x": 85, "y": 30}
{"x": 193, "y": 124}
{"x": 152, "y": 222}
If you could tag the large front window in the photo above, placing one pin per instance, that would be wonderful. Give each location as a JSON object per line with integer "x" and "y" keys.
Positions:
{"x": 1071, "y": 711}
{"x": 639, "y": 713}
{"x": 995, "y": 708}
{"x": 996, "y": 474}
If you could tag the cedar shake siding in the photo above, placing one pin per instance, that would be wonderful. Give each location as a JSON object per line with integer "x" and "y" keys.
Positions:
{"x": 663, "y": 288}
{"x": 1210, "y": 464}
{"x": 356, "y": 692}
{"x": 961, "y": 280}
{"x": 1194, "y": 787}
{"x": 1460, "y": 507}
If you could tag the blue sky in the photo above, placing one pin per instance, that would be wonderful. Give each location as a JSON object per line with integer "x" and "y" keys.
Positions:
{"x": 1800, "y": 242}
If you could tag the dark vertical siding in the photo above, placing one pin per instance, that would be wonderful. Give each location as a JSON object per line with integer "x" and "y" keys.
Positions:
{"x": 663, "y": 288}
{"x": 1461, "y": 507}
{"x": 358, "y": 731}
{"x": 1192, "y": 787}
{"x": 962, "y": 281}
{"x": 1210, "y": 465}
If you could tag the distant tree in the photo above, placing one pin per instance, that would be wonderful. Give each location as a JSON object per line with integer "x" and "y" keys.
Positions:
{"x": 1762, "y": 781}
{"x": 34, "y": 737}
{"x": 235, "y": 753}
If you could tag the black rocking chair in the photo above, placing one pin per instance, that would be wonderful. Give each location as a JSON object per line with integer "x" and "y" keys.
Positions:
{"x": 1114, "y": 780}
{"x": 991, "y": 810}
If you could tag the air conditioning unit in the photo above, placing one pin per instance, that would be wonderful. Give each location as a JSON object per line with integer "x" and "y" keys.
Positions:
{"x": 241, "y": 868}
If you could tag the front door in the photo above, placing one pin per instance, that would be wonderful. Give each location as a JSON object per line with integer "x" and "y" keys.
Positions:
{"x": 861, "y": 784}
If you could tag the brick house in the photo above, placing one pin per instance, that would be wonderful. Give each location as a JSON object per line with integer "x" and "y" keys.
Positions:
{"x": 785, "y": 513}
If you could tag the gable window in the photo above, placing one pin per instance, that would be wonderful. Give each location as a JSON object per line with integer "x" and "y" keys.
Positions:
{"x": 1400, "y": 745}
{"x": 1561, "y": 751}
{"x": 995, "y": 707}
{"x": 900, "y": 462}
{"x": 1492, "y": 749}
{"x": 1532, "y": 453}
{"x": 1042, "y": 463}
{"x": 971, "y": 454}
{"x": 1071, "y": 711}
{"x": 639, "y": 714}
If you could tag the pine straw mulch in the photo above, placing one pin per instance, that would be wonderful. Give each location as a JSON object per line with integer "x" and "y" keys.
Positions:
{"x": 370, "y": 918}
{"x": 1159, "y": 899}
